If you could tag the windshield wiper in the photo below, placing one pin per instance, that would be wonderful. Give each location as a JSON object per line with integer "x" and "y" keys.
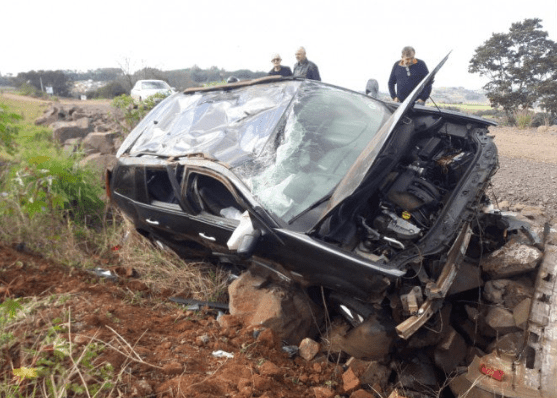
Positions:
{"x": 312, "y": 206}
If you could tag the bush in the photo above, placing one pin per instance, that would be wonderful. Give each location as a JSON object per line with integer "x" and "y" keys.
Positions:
{"x": 45, "y": 184}
{"x": 42, "y": 179}
{"x": 541, "y": 119}
{"x": 134, "y": 112}
{"x": 30, "y": 90}
{"x": 523, "y": 118}
{"x": 111, "y": 90}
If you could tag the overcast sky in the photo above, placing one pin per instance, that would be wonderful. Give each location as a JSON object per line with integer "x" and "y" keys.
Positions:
{"x": 350, "y": 41}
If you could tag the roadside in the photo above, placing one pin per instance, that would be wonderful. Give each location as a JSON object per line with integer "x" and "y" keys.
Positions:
{"x": 528, "y": 168}
{"x": 152, "y": 347}
{"x": 100, "y": 105}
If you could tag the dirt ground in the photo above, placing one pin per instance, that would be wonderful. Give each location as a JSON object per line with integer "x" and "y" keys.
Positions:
{"x": 165, "y": 351}
{"x": 170, "y": 349}
{"x": 98, "y": 105}
{"x": 528, "y": 168}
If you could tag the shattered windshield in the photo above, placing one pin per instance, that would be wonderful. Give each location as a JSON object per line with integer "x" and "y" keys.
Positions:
{"x": 324, "y": 131}
{"x": 291, "y": 142}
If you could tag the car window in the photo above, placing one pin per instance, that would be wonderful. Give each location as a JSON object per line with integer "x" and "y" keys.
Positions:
{"x": 325, "y": 131}
{"x": 153, "y": 86}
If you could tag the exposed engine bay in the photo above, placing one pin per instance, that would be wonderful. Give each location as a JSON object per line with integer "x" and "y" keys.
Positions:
{"x": 415, "y": 192}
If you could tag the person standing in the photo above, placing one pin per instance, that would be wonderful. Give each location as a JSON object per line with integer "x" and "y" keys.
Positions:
{"x": 304, "y": 67}
{"x": 279, "y": 69}
{"x": 372, "y": 88}
{"x": 406, "y": 75}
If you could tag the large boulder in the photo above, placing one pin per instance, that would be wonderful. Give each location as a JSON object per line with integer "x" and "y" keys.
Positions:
{"x": 71, "y": 145}
{"x": 284, "y": 309}
{"x": 51, "y": 115}
{"x": 62, "y": 131}
{"x": 514, "y": 258}
{"x": 99, "y": 161}
{"x": 99, "y": 142}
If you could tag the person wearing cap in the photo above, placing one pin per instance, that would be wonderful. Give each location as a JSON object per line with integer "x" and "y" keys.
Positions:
{"x": 304, "y": 67}
{"x": 279, "y": 69}
{"x": 406, "y": 75}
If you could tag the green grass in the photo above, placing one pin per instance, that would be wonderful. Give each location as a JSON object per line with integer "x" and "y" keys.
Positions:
{"x": 53, "y": 205}
{"x": 29, "y": 108}
{"x": 465, "y": 107}
{"x": 48, "y": 361}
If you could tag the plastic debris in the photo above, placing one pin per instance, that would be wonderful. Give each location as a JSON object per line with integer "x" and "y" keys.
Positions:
{"x": 222, "y": 354}
{"x": 291, "y": 350}
{"x": 196, "y": 305}
{"x": 496, "y": 374}
{"x": 103, "y": 273}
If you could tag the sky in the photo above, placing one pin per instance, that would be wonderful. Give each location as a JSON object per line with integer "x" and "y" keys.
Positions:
{"x": 350, "y": 41}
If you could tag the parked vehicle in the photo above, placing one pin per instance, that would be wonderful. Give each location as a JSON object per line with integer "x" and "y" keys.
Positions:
{"x": 323, "y": 186}
{"x": 144, "y": 89}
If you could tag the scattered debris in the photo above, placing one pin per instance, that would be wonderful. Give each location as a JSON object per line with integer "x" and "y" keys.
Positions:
{"x": 103, "y": 273}
{"x": 308, "y": 349}
{"x": 196, "y": 305}
{"x": 222, "y": 354}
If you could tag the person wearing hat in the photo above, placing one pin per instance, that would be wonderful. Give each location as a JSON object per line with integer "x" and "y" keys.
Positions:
{"x": 279, "y": 69}
{"x": 406, "y": 75}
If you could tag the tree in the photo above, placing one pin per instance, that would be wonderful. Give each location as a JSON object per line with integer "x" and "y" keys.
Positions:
{"x": 127, "y": 74}
{"x": 521, "y": 66}
{"x": 59, "y": 82}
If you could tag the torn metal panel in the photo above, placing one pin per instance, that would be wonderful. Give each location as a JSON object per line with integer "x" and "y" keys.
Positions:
{"x": 437, "y": 290}
{"x": 528, "y": 372}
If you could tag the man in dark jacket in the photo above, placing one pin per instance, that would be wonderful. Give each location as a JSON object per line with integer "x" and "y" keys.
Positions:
{"x": 279, "y": 69}
{"x": 304, "y": 67}
{"x": 406, "y": 75}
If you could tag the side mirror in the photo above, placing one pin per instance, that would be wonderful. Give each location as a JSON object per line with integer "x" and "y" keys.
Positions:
{"x": 248, "y": 243}
{"x": 244, "y": 238}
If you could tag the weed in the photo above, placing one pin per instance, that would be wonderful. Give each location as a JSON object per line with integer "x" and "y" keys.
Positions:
{"x": 50, "y": 364}
{"x": 133, "y": 112}
{"x": 8, "y": 130}
{"x": 523, "y": 118}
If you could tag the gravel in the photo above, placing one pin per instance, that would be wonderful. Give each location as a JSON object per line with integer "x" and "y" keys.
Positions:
{"x": 528, "y": 168}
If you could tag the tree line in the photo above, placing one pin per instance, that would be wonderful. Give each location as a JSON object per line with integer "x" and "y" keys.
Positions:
{"x": 119, "y": 80}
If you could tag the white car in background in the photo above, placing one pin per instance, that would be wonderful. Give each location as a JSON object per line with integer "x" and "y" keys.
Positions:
{"x": 144, "y": 89}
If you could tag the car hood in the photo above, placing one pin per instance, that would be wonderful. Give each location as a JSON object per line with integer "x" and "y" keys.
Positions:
{"x": 361, "y": 167}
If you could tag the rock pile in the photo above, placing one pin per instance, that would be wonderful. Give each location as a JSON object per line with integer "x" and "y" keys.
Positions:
{"x": 97, "y": 133}
{"x": 493, "y": 336}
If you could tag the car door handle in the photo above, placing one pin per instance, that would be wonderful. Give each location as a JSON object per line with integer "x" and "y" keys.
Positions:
{"x": 212, "y": 239}
{"x": 152, "y": 222}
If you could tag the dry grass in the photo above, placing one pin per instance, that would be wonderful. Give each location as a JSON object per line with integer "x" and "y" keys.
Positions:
{"x": 163, "y": 269}
{"x": 60, "y": 239}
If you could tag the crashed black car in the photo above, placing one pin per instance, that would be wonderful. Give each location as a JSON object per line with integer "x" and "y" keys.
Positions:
{"x": 324, "y": 186}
